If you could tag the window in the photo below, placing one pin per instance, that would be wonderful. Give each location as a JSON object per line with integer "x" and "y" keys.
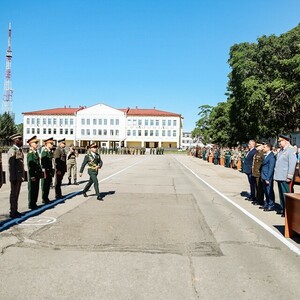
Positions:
{"x": 140, "y": 122}
{"x": 88, "y": 121}
{"x": 32, "y": 121}
{"x": 151, "y": 132}
{"x": 61, "y": 122}
{"x": 71, "y": 122}
{"x": 174, "y": 132}
{"x": 94, "y": 121}
{"x": 82, "y": 131}
{"x": 44, "y": 130}
{"x": 134, "y": 132}
{"x": 27, "y": 121}
{"x": 28, "y": 130}
{"x": 88, "y": 132}
{"x": 61, "y": 131}
{"x": 99, "y": 131}
{"x": 117, "y": 122}
{"x": 71, "y": 131}
{"x": 134, "y": 122}
{"x": 117, "y": 132}
{"x": 99, "y": 121}
{"x": 156, "y": 132}
{"x": 66, "y": 121}
{"x": 49, "y": 121}
{"x": 38, "y": 131}
{"x": 94, "y": 131}
{"x": 49, "y": 130}
{"x": 105, "y": 121}
{"x": 128, "y": 132}
{"x": 111, "y": 132}
{"x": 139, "y": 132}
{"x": 112, "y": 122}
{"x": 156, "y": 122}
{"x": 104, "y": 132}
{"x": 169, "y": 122}
{"x": 163, "y": 122}
{"x": 151, "y": 122}
{"x": 146, "y": 132}
{"x": 82, "y": 121}
{"x": 54, "y": 130}
{"x": 163, "y": 133}
{"x": 66, "y": 131}
{"x": 32, "y": 130}
{"x": 146, "y": 122}
{"x": 54, "y": 121}
{"x": 38, "y": 121}
{"x": 174, "y": 122}
{"x": 44, "y": 121}
{"x": 169, "y": 132}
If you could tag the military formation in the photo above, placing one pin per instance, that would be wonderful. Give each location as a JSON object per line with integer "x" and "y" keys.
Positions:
{"x": 263, "y": 165}
{"x": 46, "y": 168}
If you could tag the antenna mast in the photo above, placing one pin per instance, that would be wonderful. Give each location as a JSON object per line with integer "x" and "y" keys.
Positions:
{"x": 8, "y": 91}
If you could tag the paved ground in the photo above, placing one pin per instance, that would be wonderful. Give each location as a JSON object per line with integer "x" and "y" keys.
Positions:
{"x": 160, "y": 233}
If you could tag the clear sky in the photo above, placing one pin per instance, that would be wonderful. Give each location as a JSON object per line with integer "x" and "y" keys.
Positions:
{"x": 168, "y": 54}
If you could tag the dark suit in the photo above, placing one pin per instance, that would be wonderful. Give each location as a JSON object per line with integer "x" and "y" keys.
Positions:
{"x": 46, "y": 162}
{"x": 16, "y": 176}
{"x": 267, "y": 173}
{"x": 247, "y": 169}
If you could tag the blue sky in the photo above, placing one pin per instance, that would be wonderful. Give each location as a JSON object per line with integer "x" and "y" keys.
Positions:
{"x": 168, "y": 54}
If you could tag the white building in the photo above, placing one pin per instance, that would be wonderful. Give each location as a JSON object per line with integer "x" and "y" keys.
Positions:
{"x": 107, "y": 126}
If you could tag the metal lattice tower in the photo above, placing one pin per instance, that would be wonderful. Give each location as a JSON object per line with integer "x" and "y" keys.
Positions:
{"x": 8, "y": 91}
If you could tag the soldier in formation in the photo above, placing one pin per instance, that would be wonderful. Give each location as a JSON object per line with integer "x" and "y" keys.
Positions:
{"x": 72, "y": 165}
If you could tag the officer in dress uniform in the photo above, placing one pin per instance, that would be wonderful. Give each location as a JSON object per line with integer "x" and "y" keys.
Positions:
{"x": 16, "y": 173}
{"x": 284, "y": 169}
{"x": 34, "y": 172}
{"x": 47, "y": 167}
{"x": 227, "y": 158}
{"x": 72, "y": 164}
{"x": 60, "y": 166}
{"x": 256, "y": 172}
{"x": 94, "y": 162}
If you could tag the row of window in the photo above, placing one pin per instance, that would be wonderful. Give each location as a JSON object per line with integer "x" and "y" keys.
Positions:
{"x": 151, "y": 133}
{"x": 151, "y": 122}
{"x": 50, "y": 131}
{"x": 100, "y": 122}
{"x": 100, "y": 132}
{"x": 50, "y": 121}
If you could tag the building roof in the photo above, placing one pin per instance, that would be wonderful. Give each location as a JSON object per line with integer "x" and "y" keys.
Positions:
{"x": 55, "y": 111}
{"x": 148, "y": 112}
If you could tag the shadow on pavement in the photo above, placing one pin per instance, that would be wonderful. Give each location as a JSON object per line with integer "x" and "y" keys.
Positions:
{"x": 6, "y": 224}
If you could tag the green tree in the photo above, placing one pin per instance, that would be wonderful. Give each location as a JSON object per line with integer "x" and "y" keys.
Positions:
{"x": 7, "y": 126}
{"x": 202, "y": 125}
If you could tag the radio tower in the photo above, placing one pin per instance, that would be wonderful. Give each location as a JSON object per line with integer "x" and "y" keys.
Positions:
{"x": 7, "y": 98}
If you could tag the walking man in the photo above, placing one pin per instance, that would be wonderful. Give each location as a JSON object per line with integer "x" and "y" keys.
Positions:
{"x": 94, "y": 162}
{"x": 247, "y": 169}
{"x": 16, "y": 173}
{"x": 284, "y": 170}
{"x": 72, "y": 165}
{"x": 34, "y": 172}
{"x": 60, "y": 166}
{"x": 47, "y": 167}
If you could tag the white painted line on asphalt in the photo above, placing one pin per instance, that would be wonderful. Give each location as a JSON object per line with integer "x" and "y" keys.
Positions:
{"x": 110, "y": 176}
{"x": 38, "y": 221}
{"x": 277, "y": 235}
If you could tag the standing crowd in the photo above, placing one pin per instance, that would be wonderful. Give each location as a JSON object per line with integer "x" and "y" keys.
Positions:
{"x": 263, "y": 165}
{"x": 45, "y": 165}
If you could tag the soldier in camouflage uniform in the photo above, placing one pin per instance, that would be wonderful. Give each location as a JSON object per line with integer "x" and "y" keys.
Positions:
{"x": 16, "y": 173}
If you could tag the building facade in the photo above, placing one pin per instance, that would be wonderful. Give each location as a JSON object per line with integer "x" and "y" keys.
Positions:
{"x": 107, "y": 126}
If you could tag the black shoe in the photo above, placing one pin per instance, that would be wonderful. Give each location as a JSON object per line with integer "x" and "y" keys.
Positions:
{"x": 46, "y": 201}
{"x": 279, "y": 212}
{"x": 69, "y": 183}
{"x": 255, "y": 202}
{"x": 99, "y": 198}
{"x": 269, "y": 209}
{"x": 263, "y": 207}
{"x": 85, "y": 195}
{"x": 283, "y": 215}
{"x": 248, "y": 199}
{"x": 76, "y": 183}
{"x": 15, "y": 215}
{"x": 33, "y": 207}
{"x": 59, "y": 197}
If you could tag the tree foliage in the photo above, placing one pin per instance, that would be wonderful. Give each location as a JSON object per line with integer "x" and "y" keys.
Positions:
{"x": 263, "y": 91}
{"x": 7, "y": 126}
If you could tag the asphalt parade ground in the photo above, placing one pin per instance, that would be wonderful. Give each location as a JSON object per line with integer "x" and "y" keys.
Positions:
{"x": 170, "y": 227}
